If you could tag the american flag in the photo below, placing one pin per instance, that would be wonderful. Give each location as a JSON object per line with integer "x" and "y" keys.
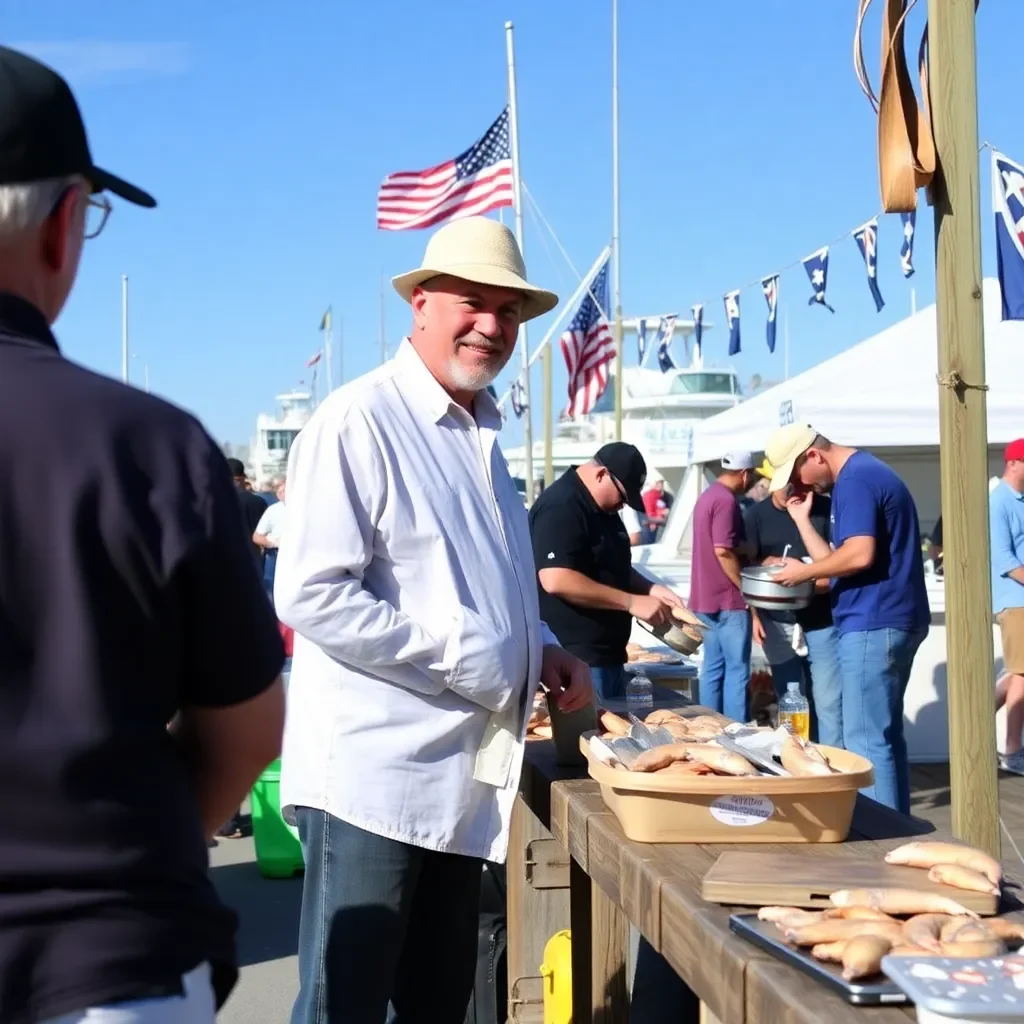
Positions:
{"x": 474, "y": 182}
{"x": 518, "y": 396}
{"x": 588, "y": 347}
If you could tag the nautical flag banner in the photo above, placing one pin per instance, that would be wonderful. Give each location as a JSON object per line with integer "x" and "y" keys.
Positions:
{"x": 770, "y": 287}
{"x": 698, "y": 326}
{"x": 641, "y": 340}
{"x": 1008, "y": 200}
{"x": 314, "y": 359}
{"x": 907, "y": 248}
{"x": 666, "y": 329}
{"x": 866, "y": 237}
{"x": 518, "y": 397}
{"x": 588, "y": 347}
{"x": 732, "y": 316}
{"x": 476, "y": 181}
{"x": 325, "y": 320}
{"x": 816, "y": 266}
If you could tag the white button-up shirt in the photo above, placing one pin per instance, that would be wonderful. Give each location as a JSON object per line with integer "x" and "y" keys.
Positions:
{"x": 407, "y": 574}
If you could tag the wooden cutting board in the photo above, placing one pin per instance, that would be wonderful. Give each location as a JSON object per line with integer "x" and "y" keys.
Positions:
{"x": 803, "y": 880}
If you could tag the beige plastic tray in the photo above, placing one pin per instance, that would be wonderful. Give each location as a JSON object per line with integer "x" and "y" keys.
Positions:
{"x": 654, "y": 808}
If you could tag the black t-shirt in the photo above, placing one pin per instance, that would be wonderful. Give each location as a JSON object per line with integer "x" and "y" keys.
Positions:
{"x": 569, "y": 531}
{"x": 769, "y": 529}
{"x": 127, "y": 592}
{"x": 252, "y": 507}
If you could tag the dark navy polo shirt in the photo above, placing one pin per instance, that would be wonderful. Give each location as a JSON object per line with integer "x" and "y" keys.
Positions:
{"x": 127, "y": 592}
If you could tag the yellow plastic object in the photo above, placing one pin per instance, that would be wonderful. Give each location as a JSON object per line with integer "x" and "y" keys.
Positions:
{"x": 557, "y": 974}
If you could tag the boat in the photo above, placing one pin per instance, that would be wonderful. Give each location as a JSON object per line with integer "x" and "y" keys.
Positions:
{"x": 659, "y": 413}
{"x": 275, "y": 432}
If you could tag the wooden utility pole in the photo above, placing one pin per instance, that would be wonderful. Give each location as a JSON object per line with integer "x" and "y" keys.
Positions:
{"x": 963, "y": 428}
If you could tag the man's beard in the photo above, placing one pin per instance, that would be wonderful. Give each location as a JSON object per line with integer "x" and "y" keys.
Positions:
{"x": 478, "y": 378}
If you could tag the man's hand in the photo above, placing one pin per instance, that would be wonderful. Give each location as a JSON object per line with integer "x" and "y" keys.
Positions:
{"x": 758, "y": 628}
{"x": 670, "y": 597}
{"x": 650, "y": 609}
{"x": 793, "y": 572}
{"x": 566, "y": 678}
{"x": 799, "y": 506}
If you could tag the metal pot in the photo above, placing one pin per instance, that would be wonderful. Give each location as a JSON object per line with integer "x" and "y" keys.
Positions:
{"x": 760, "y": 591}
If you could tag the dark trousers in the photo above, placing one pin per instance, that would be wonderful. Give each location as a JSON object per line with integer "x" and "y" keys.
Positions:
{"x": 388, "y": 931}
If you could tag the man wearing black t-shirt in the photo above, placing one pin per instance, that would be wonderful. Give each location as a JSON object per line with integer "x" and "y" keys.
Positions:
{"x": 139, "y": 657}
{"x": 589, "y": 590}
{"x": 770, "y": 531}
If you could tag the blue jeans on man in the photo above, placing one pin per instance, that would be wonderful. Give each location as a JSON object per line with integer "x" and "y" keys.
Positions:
{"x": 383, "y": 922}
{"x": 826, "y": 684}
{"x": 725, "y": 670}
{"x": 875, "y": 666}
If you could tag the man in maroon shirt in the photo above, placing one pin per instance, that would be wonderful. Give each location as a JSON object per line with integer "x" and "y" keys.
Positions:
{"x": 715, "y": 588}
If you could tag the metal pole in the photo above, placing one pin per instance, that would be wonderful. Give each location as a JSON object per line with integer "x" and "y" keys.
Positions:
{"x": 341, "y": 351}
{"x": 785, "y": 343}
{"x": 124, "y": 328}
{"x": 963, "y": 433}
{"x": 524, "y": 345}
{"x": 329, "y": 351}
{"x": 913, "y": 301}
{"x": 383, "y": 329}
{"x": 146, "y": 371}
{"x": 617, "y": 264}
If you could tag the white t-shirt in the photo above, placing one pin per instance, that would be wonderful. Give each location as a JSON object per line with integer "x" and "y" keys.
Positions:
{"x": 630, "y": 519}
{"x": 272, "y": 523}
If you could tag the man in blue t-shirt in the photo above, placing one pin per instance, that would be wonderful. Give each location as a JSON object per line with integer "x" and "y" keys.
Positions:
{"x": 879, "y": 602}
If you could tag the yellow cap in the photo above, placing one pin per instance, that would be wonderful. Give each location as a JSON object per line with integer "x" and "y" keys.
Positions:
{"x": 784, "y": 447}
{"x": 766, "y": 469}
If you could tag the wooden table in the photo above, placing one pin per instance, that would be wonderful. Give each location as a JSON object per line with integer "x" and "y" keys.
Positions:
{"x": 614, "y": 882}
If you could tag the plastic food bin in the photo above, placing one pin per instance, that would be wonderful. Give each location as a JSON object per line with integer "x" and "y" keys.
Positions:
{"x": 655, "y": 808}
{"x": 278, "y": 850}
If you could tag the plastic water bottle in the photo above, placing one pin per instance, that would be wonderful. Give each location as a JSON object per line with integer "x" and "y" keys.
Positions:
{"x": 795, "y": 712}
{"x": 639, "y": 692}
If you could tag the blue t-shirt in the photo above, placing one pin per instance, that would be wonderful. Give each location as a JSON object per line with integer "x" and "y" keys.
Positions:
{"x": 870, "y": 500}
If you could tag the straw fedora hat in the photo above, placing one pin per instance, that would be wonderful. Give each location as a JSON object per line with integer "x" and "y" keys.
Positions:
{"x": 481, "y": 250}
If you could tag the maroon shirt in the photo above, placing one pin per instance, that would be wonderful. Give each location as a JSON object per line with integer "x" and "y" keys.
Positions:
{"x": 717, "y": 522}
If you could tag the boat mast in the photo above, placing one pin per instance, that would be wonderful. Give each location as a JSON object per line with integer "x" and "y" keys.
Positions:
{"x": 617, "y": 265}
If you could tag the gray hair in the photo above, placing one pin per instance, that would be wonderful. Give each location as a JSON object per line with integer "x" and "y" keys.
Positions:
{"x": 23, "y": 207}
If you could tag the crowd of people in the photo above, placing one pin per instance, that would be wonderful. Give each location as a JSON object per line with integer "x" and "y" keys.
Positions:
{"x": 142, "y": 658}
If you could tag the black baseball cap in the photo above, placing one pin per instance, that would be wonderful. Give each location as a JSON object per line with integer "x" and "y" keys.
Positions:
{"x": 42, "y": 134}
{"x": 627, "y": 465}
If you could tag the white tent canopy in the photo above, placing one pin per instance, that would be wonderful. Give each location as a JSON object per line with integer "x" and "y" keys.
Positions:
{"x": 881, "y": 393}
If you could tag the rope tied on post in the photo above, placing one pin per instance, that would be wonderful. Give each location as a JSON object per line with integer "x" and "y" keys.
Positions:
{"x": 956, "y": 383}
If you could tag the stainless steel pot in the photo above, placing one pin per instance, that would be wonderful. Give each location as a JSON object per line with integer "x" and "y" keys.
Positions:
{"x": 682, "y": 638}
{"x": 761, "y": 591}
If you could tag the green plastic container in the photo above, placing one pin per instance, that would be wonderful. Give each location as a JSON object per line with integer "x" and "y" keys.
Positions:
{"x": 278, "y": 850}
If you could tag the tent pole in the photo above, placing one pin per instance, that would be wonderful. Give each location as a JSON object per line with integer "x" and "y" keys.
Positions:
{"x": 963, "y": 443}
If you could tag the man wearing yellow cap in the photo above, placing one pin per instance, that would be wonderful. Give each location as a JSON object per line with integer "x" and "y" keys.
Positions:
{"x": 879, "y": 602}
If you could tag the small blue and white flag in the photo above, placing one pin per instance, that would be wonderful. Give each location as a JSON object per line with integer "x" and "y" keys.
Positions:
{"x": 518, "y": 397}
{"x": 698, "y": 326}
{"x": 641, "y": 340}
{"x": 816, "y": 266}
{"x": 770, "y": 287}
{"x": 732, "y": 316}
{"x": 1008, "y": 200}
{"x": 907, "y": 247}
{"x": 666, "y": 329}
{"x": 866, "y": 237}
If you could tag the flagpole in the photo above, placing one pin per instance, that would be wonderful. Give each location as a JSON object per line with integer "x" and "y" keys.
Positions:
{"x": 524, "y": 346}
{"x": 383, "y": 330}
{"x": 616, "y": 266}
{"x": 341, "y": 351}
{"x": 124, "y": 328}
{"x": 913, "y": 301}
{"x": 328, "y": 351}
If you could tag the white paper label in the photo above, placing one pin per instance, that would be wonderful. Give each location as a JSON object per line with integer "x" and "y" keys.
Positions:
{"x": 742, "y": 810}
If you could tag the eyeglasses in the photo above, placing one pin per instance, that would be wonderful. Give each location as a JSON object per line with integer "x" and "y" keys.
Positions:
{"x": 619, "y": 488}
{"x": 97, "y": 210}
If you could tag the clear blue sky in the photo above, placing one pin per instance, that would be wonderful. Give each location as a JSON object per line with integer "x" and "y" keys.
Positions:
{"x": 264, "y": 130}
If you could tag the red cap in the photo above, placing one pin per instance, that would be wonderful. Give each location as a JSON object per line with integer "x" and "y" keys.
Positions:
{"x": 1015, "y": 450}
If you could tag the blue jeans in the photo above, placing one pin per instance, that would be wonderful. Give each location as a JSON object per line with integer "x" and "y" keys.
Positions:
{"x": 821, "y": 666}
{"x": 383, "y": 923}
{"x": 609, "y": 682}
{"x": 725, "y": 671}
{"x": 875, "y": 667}
{"x": 660, "y": 996}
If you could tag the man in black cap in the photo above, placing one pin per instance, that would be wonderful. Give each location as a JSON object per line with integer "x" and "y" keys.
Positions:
{"x": 139, "y": 658}
{"x": 589, "y": 590}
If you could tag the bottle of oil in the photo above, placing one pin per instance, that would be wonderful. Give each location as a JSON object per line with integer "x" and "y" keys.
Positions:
{"x": 795, "y": 712}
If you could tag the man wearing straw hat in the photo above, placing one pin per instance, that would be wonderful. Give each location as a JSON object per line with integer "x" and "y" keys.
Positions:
{"x": 407, "y": 574}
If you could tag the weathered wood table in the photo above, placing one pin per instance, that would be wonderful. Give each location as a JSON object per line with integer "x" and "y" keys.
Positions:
{"x": 614, "y": 882}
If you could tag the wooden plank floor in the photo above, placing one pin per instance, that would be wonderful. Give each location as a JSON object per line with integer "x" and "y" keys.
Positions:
{"x": 930, "y": 799}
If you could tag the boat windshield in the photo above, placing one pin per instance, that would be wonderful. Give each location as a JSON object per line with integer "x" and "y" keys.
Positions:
{"x": 279, "y": 440}
{"x": 703, "y": 384}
